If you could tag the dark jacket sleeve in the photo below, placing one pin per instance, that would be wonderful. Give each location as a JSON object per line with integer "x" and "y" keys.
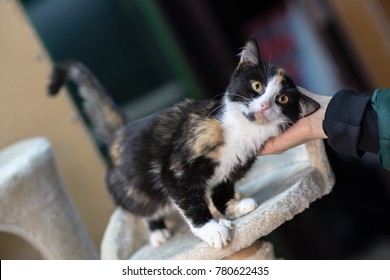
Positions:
{"x": 381, "y": 103}
{"x": 351, "y": 124}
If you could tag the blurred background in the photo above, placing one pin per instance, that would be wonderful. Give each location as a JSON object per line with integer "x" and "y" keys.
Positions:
{"x": 150, "y": 54}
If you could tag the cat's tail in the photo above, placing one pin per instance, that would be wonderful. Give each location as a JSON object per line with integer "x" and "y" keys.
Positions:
{"x": 100, "y": 109}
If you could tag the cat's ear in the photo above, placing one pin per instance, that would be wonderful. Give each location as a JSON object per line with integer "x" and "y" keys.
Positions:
{"x": 307, "y": 105}
{"x": 250, "y": 54}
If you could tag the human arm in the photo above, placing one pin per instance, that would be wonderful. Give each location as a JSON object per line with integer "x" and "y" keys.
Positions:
{"x": 351, "y": 124}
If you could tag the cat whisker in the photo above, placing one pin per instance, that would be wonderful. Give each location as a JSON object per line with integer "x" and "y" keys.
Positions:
{"x": 215, "y": 109}
{"x": 216, "y": 96}
{"x": 247, "y": 99}
{"x": 269, "y": 67}
{"x": 267, "y": 72}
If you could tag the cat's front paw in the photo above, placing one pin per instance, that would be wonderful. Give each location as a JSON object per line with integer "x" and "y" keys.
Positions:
{"x": 217, "y": 235}
{"x": 239, "y": 208}
{"x": 159, "y": 237}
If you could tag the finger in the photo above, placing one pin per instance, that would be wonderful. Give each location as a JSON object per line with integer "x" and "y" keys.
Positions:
{"x": 322, "y": 99}
{"x": 292, "y": 137}
{"x": 278, "y": 145}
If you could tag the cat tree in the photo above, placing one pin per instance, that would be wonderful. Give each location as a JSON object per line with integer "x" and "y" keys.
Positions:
{"x": 283, "y": 185}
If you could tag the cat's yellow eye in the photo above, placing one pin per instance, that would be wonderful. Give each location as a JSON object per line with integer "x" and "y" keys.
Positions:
{"x": 282, "y": 99}
{"x": 256, "y": 86}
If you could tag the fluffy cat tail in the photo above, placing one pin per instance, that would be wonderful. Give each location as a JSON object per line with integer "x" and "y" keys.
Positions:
{"x": 100, "y": 109}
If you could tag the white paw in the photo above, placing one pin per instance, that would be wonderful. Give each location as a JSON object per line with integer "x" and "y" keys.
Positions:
{"x": 217, "y": 235}
{"x": 159, "y": 237}
{"x": 239, "y": 208}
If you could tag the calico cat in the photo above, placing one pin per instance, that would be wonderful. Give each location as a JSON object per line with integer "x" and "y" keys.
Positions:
{"x": 181, "y": 156}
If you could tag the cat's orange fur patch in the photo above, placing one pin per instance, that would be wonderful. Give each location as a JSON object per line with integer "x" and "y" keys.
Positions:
{"x": 280, "y": 75}
{"x": 208, "y": 140}
{"x": 233, "y": 201}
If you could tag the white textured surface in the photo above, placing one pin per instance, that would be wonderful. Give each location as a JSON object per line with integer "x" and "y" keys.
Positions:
{"x": 35, "y": 205}
{"x": 282, "y": 185}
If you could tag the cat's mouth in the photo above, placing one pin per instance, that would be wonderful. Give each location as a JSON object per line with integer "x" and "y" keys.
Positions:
{"x": 257, "y": 117}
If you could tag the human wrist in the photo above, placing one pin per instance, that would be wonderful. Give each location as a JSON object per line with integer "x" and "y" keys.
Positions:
{"x": 342, "y": 121}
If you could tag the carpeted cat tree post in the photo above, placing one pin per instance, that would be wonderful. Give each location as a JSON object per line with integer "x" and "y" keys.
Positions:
{"x": 283, "y": 185}
{"x": 35, "y": 204}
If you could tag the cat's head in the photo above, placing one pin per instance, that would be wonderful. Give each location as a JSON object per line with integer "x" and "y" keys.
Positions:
{"x": 263, "y": 93}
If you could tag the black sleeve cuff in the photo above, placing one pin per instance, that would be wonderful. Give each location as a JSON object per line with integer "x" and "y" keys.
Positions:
{"x": 343, "y": 119}
{"x": 369, "y": 137}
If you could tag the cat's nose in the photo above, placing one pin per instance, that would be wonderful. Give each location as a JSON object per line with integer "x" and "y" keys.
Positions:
{"x": 264, "y": 107}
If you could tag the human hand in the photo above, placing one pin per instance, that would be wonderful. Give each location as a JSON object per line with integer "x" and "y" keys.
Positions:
{"x": 304, "y": 130}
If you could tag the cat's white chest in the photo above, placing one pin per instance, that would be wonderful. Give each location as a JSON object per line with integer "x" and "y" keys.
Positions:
{"x": 242, "y": 140}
